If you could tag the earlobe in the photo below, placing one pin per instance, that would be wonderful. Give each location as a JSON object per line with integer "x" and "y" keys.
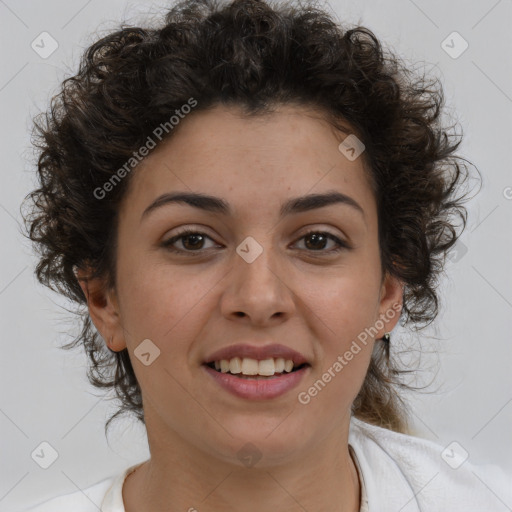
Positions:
{"x": 103, "y": 310}
{"x": 391, "y": 302}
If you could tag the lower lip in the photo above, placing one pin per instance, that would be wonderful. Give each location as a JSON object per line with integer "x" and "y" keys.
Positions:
{"x": 257, "y": 389}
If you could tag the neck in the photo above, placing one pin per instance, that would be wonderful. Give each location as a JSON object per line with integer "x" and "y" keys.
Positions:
{"x": 181, "y": 477}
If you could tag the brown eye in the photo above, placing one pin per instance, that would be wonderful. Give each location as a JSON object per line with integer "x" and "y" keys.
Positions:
{"x": 316, "y": 241}
{"x": 191, "y": 241}
{"x": 194, "y": 241}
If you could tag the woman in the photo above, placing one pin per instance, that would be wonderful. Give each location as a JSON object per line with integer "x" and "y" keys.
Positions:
{"x": 248, "y": 199}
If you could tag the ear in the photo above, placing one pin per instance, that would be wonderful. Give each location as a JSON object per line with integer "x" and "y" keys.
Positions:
{"x": 103, "y": 310}
{"x": 390, "y": 305}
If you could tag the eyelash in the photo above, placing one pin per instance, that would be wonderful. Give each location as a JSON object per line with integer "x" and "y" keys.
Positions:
{"x": 168, "y": 243}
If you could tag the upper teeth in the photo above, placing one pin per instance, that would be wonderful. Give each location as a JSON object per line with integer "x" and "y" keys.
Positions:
{"x": 248, "y": 366}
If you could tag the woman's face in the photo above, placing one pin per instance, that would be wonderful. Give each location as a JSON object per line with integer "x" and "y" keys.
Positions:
{"x": 253, "y": 277}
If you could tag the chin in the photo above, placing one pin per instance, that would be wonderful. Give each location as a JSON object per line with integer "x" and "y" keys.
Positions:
{"x": 260, "y": 442}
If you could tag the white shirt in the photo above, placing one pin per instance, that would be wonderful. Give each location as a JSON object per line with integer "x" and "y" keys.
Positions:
{"x": 398, "y": 473}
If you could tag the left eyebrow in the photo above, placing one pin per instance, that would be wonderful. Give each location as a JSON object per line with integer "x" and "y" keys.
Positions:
{"x": 217, "y": 205}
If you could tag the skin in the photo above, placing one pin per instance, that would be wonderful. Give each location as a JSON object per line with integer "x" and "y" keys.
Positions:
{"x": 294, "y": 293}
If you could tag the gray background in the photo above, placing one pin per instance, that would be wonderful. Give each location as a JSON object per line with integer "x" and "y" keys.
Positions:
{"x": 466, "y": 355}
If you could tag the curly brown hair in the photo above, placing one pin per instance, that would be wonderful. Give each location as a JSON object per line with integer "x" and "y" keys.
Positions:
{"x": 256, "y": 56}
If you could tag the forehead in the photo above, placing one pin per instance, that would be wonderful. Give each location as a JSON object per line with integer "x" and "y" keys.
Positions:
{"x": 223, "y": 152}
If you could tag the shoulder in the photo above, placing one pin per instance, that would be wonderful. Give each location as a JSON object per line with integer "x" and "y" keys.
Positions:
{"x": 418, "y": 474}
{"x": 88, "y": 500}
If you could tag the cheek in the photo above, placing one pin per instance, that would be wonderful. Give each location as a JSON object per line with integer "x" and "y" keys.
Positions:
{"x": 159, "y": 299}
{"x": 345, "y": 303}
{"x": 342, "y": 314}
{"x": 342, "y": 311}
{"x": 163, "y": 306}
{"x": 168, "y": 307}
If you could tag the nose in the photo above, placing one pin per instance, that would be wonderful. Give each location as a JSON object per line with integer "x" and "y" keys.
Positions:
{"x": 258, "y": 292}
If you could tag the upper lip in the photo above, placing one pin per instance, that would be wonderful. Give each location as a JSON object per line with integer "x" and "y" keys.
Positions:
{"x": 257, "y": 352}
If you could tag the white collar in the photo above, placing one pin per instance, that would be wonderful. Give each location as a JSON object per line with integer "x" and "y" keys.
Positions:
{"x": 380, "y": 474}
